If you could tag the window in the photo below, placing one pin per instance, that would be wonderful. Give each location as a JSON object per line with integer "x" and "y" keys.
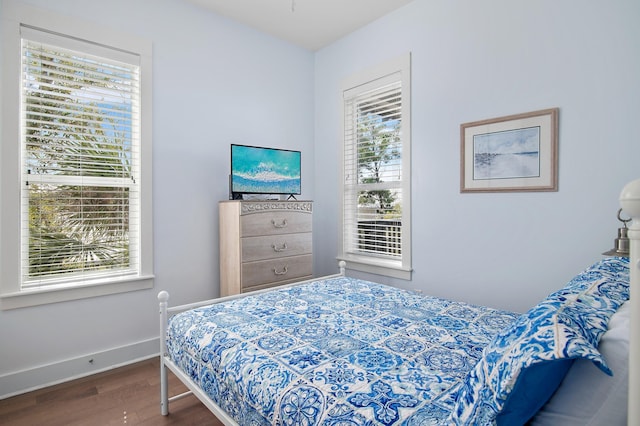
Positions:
{"x": 81, "y": 151}
{"x": 376, "y": 171}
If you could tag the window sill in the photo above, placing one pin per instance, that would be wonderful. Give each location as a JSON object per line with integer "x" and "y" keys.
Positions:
{"x": 377, "y": 266}
{"x": 42, "y": 296}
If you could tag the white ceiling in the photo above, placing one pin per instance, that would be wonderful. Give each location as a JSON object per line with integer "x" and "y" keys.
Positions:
{"x": 311, "y": 24}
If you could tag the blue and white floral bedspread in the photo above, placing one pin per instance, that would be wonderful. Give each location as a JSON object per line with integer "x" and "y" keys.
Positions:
{"x": 335, "y": 351}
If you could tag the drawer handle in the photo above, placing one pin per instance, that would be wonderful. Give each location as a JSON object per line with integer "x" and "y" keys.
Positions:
{"x": 283, "y": 272}
{"x": 280, "y": 249}
{"x": 282, "y": 224}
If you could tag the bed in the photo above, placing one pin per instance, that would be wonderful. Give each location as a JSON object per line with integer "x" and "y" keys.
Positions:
{"x": 339, "y": 350}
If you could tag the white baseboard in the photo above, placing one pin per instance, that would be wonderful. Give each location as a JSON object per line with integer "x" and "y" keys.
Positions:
{"x": 19, "y": 382}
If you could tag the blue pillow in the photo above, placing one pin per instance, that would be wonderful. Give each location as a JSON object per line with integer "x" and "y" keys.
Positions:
{"x": 586, "y": 396}
{"x": 522, "y": 366}
{"x": 534, "y": 387}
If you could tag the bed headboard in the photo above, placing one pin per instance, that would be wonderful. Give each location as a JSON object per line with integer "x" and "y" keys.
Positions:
{"x": 630, "y": 203}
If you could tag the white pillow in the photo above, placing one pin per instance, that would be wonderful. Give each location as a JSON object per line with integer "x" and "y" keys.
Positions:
{"x": 587, "y": 396}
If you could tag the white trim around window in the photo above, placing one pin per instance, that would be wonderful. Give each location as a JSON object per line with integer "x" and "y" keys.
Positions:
{"x": 13, "y": 291}
{"x": 375, "y": 203}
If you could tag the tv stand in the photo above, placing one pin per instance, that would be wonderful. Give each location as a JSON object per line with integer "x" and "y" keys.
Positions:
{"x": 238, "y": 196}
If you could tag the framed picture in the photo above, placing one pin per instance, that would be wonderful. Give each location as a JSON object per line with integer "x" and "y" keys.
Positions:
{"x": 514, "y": 153}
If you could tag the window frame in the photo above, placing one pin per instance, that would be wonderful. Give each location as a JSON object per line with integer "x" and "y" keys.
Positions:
{"x": 12, "y": 293}
{"x": 397, "y": 69}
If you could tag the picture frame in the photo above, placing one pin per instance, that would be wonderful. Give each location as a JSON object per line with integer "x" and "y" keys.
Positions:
{"x": 514, "y": 153}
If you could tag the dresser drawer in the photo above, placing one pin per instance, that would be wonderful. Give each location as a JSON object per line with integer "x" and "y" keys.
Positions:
{"x": 275, "y": 246}
{"x": 275, "y": 270}
{"x": 275, "y": 223}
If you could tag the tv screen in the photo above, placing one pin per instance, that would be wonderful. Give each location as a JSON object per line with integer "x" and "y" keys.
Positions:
{"x": 259, "y": 170}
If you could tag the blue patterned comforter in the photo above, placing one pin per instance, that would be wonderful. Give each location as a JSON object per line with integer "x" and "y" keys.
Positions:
{"x": 334, "y": 351}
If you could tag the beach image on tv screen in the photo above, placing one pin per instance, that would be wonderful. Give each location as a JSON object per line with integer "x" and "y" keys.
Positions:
{"x": 264, "y": 171}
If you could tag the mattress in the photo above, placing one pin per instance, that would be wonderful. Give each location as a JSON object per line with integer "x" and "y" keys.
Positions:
{"x": 333, "y": 351}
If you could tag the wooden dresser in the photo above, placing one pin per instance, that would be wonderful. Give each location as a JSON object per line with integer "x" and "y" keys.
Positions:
{"x": 264, "y": 244}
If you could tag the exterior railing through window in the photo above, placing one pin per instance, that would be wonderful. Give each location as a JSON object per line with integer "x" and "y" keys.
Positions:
{"x": 380, "y": 236}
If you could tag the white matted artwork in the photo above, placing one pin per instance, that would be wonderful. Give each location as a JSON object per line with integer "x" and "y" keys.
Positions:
{"x": 513, "y": 153}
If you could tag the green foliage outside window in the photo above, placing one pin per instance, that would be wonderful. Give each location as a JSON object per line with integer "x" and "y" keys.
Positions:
{"x": 73, "y": 130}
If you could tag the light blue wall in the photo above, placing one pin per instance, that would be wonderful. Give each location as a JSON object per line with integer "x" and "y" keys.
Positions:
{"x": 477, "y": 60}
{"x": 215, "y": 82}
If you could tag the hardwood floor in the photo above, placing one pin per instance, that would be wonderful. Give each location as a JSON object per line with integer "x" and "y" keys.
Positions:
{"x": 128, "y": 395}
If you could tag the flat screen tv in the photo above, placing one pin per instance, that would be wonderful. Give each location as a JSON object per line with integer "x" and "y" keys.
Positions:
{"x": 260, "y": 170}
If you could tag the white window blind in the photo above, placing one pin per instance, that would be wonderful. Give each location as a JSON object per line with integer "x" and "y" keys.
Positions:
{"x": 373, "y": 170}
{"x": 376, "y": 167}
{"x": 80, "y": 139}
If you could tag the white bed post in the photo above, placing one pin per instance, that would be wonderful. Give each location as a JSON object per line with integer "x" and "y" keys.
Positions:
{"x": 630, "y": 203}
{"x": 163, "y": 298}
